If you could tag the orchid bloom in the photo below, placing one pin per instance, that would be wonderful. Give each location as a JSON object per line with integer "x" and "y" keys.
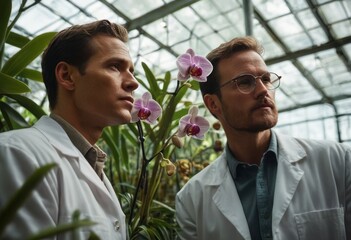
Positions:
{"x": 193, "y": 65}
{"x": 193, "y": 125}
{"x": 146, "y": 109}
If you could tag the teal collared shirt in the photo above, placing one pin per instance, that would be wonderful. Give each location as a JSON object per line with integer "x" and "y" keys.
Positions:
{"x": 255, "y": 185}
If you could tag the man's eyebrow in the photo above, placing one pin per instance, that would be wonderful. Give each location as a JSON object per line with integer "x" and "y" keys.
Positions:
{"x": 123, "y": 61}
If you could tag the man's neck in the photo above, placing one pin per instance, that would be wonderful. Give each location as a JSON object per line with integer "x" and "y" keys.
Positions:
{"x": 89, "y": 133}
{"x": 249, "y": 147}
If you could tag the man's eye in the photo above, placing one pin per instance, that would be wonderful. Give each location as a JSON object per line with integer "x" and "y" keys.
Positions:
{"x": 266, "y": 79}
{"x": 115, "y": 66}
{"x": 245, "y": 80}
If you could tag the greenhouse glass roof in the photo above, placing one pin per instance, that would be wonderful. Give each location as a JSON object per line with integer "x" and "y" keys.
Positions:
{"x": 308, "y": 42}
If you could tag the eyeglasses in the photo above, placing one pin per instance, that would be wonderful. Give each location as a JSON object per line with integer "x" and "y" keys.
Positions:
{"x": 247, "y": 83}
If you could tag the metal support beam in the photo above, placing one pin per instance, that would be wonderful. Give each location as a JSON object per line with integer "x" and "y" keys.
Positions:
{"x": 158, "y": 13}
{"x": 295, "y": 62}
{"x": 342, "y": 54}
{"x": 325, "y": 46}
{"x": 248, "y": 15}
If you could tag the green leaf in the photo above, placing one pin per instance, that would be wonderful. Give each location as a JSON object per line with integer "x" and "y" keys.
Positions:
{"x": 27, "y": 54}
{"x": 130, "y": 137}
{"x": 180, "y": 113}
{"x": 167, "y": 81}
{"x": 29, "y": 104}
{"x": 13, "y": 118}
{"x": 155, "y": 89}
{"x": 54, "y": 231}
{"x": 6, "y": 7}
{"x": 10, "y": 85}
{"x": 17, "y": 40}
{"x": 143, "y": 83}
{"x": 195, "y": 85}
{"x": 31, "y": 74}
{"x": 11, "y": 207}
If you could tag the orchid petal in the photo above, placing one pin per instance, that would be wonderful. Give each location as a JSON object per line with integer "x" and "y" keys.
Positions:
{"x": 146, "y": 109}
{"x": 193, "y": 125}
{"x": 183, "y": 64}
{"x": 155, "y": 109}
{"x": 192, "y": 65}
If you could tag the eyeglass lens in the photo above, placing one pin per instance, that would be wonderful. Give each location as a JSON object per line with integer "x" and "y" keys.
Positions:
{"x": 247, "y": 83}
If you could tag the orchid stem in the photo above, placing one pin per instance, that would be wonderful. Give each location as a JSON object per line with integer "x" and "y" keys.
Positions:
{"x": 142, "y": 176}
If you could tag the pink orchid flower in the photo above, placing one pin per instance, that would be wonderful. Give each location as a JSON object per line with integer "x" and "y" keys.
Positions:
{"x": 146, "y": 109}
{"x": 193, "y": 125}
{"x": 192, "y": 65}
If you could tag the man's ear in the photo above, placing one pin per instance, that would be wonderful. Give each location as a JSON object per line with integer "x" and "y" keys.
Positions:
{"x": 213, "y": 104}
{"x": 64, "y": 75}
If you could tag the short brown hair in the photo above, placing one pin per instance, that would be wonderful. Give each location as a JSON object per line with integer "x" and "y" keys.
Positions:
{"x": 225, "y": 50}
{"x": 72, "y": 46}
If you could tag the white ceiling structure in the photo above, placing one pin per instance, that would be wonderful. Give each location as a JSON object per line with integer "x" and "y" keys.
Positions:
{"x": 308, "y": 42}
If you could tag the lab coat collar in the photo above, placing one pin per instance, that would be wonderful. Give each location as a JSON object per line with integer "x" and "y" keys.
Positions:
{"x": 288, "y": 176}
{"x": 56, "y": 136}
{"x": 226, "y": 197}
{"x": 61, "y": 142}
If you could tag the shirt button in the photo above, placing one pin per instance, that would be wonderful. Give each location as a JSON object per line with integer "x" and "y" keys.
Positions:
{"x": 116, "y": 225}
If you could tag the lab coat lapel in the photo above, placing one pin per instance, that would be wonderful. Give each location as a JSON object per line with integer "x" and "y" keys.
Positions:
{"x": 288, "y": 176}
{"x": 60, "y": 141}
{"x": 227, "y": 200}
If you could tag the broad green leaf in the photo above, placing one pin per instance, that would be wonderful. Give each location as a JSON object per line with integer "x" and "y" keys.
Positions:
{"x": 31, "y": 74}
{"x": 12, "y": 206}
{"x": 132, "y": 127}
{"x": 7, "y": 120}
{"x": 12, "y": 117}
{"x": 167, "y": 81}
{"x": 29, "y": 104}
{"x": 180, "y": 113}
{"x": 143, "y": 83}
{"x": 10, "y": 85}
{"x": 62, "y": 228}
{"x": 154, "y": 88}
{"x": 17, "y": 40}
{"x": 195, "y": 85}
{"x": 130, "y": 137}
{"x": 124, "y": 152}
{"x": 5, "y": 12}
{"x": 27, "y": 54}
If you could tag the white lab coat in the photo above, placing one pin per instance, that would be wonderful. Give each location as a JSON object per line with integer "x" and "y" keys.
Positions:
{"x": 73, "y": 185}
{"x": 312, "y": 197}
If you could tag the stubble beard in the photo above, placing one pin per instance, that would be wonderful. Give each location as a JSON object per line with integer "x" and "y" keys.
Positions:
{"x": 238, "y": 124}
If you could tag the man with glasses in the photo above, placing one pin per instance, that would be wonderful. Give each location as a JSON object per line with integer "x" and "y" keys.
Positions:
{"x": 265, "y": 185}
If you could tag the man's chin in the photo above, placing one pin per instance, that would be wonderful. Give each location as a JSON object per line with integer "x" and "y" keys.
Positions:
{"x": 122, "y": 119}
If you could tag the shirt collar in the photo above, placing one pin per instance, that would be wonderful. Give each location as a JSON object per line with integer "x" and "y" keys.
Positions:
{"x": 233, "y": 162}
{"x": 76, "y": 137}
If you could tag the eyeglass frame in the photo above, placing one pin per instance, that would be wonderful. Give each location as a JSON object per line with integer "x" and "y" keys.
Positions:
{"x": 235, "y": 80}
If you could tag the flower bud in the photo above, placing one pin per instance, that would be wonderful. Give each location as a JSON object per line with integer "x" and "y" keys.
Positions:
{"x": 218, "y": 146}
{"x": 177, "y": 141}
{"x": 164, "y": 162}
{"x": 216, "y": 125}
{"x": 170, "y": 168}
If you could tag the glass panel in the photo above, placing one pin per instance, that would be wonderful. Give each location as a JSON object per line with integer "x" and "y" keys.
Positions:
{"x": 307, "y": 19}
{"x": 297, "y": 5}
{"x": 286, "y": 26}
{"x": 342, "y": 29}
{"x": 333, "y": 11}
{"x": 272, "y": 8}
